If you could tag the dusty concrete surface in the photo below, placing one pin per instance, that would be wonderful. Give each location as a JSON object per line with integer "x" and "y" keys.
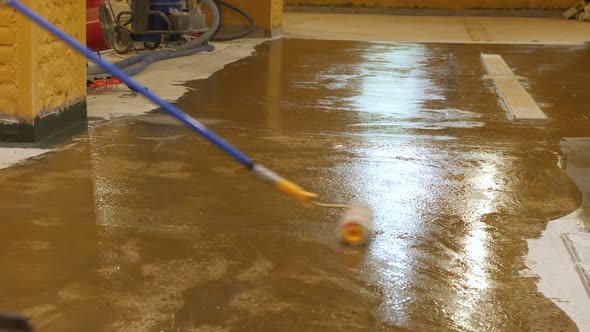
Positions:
{"x": 554, "y": 13}
{"x": 436, "y": 29}
{"x": 10, "y": 156}
{"x": 140, "y": 225}
{"x": 165, "y": 78}
{"x": 549, "y": 257}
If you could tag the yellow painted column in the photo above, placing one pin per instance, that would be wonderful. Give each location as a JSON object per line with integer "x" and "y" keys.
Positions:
{"x": 267, "y": 15}
{"x": 42, "y": 80}
{"x": 15, "y": 67}
{"x": 276, "y": 16}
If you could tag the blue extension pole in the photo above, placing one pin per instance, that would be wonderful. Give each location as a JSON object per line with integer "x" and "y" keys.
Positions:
{"x": 190, "y": 122}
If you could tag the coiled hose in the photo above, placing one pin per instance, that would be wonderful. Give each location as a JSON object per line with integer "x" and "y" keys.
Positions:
{"x": 251, "y": 25}
{"x": 136, "y": 64}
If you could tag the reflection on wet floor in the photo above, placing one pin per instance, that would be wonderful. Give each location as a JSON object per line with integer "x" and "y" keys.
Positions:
{"x": 143, "y": 226}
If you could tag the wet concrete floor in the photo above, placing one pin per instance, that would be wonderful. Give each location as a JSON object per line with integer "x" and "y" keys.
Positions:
{"x": 142, "y": 226}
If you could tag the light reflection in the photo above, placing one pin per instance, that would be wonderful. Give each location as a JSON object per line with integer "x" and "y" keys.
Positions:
{"x": 476, "y": 277}
{"x": 112, "y": 193}
{"x": 394, "y": 81}
{"x": 393, "y": 84}
{"x": 403, "y": 178}
{"x": 475, "y": 243}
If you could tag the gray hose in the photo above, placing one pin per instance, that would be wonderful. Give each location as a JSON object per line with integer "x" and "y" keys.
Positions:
{"x": 205, "y": 37}
{"x": 136, "y": 64}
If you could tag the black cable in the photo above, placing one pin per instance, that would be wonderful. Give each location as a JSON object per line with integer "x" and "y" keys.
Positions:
{"x": 251, "y": 26}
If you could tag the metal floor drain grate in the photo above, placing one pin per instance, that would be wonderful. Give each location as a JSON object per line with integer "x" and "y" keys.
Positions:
{"x": 520, "y": 104}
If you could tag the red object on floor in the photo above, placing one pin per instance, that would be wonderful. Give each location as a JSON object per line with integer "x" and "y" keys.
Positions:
{"x": 98, "y": 84}
{"x": 94, "y": 38}
{"x": 113, "y": 83}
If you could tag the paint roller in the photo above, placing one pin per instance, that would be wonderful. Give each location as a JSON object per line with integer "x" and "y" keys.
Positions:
{"x": 356, "y": 222}
{"x": 355, "y": 227}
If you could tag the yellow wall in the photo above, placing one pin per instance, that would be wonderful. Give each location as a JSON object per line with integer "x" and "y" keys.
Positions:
{"x": 60, "y": 73}
{"x": 14, "y": 101}
{"x": 40, "y": 75}
{"x": 443, "y": 4}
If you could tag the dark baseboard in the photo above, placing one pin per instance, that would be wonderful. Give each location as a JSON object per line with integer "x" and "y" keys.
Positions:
{"x": 44, "y": 126}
